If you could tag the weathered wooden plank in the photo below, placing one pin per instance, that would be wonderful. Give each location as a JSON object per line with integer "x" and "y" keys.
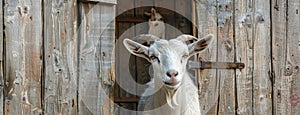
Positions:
{"x": 208, "y": 82}
{"x": 226, "y": 54}
{"x": 1, "y": 30}
{"x": 60, "y": 80}
{"x": 88, "y": 80}
{"x": 106, "y": 57}
{"x": 244, "y": 54}
{"x": 1, "y": 61}
{"x": 262, "y": 85}
{"x": 293, "y": 55}
{"x": 2, "y": 112}
{"x": 282, "y": 82}
{"x": 23, "y": 64}
{"x": 96, "y": 65}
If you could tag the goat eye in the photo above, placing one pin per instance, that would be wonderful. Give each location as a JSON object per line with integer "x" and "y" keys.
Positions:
{"x": 185, "y": 56}
{"x": 153, "y": 57}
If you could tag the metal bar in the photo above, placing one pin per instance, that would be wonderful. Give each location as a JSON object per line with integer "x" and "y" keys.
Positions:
{"x": 215, "y": 65}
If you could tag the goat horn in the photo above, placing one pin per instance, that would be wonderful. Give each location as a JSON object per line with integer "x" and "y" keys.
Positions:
{"x": 146, "y": 37}
{"x": 185, "y": 38}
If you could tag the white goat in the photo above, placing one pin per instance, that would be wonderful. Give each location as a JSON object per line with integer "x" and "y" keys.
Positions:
{"x": 156, "y": 24}
{"x": 176, "y": 93}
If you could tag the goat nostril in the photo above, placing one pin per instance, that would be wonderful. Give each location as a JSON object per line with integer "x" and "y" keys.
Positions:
{"x": 176, "y": 73}
{"x": 172, "y": 73}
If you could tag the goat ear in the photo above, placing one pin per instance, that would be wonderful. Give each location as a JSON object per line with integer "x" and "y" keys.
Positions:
{"x": 136, "y": 48}
{"x": 150, "y": 13}
{"x": 147, "y": 13}
{"x": 200, "y": 45}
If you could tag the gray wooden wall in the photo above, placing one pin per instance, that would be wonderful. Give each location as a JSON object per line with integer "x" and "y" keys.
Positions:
{"x": 263, "y": 34}
{"x": 57, "y": 56}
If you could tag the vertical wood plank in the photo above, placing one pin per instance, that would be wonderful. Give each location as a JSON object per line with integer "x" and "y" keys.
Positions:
{"x": 226, "y": 54}
{"x": 262, "y": 85}
{"x": 61, "y": 65}
{"x": 244, "y": 54}
{"x": 88, "y": 80}
{"x": 208, "y": 82}
{"x": 96, "y": 66}
{"x": 23, "y": 64}
{"x": 282, "y": 86}
{"x": 106, "y": 57}
{"x": 1, "y": 31}
{"x": 293, "y": 54}
{"x": 1, "y": 60}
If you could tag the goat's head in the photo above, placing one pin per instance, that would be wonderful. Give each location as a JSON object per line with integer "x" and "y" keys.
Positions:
{"x": 156, "y": 24}
{"x": 169, "y": 57}
{"x": 154, "y": 16}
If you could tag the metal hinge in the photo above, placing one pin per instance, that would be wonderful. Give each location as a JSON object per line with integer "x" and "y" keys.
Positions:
{"x": 215, "y": 65}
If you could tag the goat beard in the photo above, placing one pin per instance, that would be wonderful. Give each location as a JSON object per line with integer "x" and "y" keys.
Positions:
{"x": 171, "y": 95}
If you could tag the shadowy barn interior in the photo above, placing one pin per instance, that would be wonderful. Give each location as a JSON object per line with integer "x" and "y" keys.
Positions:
{"x": 177, "y": 16}
{"x": 66, "y": 56}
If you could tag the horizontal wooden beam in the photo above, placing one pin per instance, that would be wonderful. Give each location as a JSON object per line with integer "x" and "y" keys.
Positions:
{"x": 127, "y": 100}
{"x": 100, "y": 1}
{"x": 131, "y": 19}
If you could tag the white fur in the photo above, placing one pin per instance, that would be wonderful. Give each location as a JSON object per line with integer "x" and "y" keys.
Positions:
{"x": 177, "y": 95}
{"x": 156, "y": 24}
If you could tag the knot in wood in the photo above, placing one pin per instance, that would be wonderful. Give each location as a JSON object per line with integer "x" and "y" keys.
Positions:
{"x": 288, "y": 70}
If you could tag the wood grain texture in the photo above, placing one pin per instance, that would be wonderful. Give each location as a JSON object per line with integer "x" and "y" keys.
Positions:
{"x": 61, "y": 65}
{"x": 23, "y": 41}
{"x": 89, "y": 82}
{"x": 226, "y": 54}
{"x": 293, "y": 54}
{"x": 244, "y": 54}
{"x": 46, "y": 68}
{"x": 208, "y": 82}
{"x": 106, "y": 56}
{"x": 96, "y": 64}
{"x": 282, "y": 86}
{"x": 2, "y": 112}
{"x": 1, "y": 61}
{"x": 1, "y": 31}
{"x": 262, "y": 84}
